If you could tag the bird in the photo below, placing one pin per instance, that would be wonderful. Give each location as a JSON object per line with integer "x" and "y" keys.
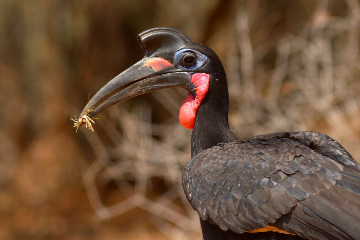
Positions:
{"x": 287, "y": 185}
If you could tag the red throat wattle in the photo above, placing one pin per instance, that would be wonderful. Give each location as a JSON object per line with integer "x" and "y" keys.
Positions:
{"x": 191, "y": 104}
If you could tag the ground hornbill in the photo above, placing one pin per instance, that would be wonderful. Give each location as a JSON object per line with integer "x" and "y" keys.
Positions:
{"x": 289, "y": 185}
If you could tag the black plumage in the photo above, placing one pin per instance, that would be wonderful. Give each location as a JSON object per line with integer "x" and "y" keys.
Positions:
{"x": 309, "y": 181}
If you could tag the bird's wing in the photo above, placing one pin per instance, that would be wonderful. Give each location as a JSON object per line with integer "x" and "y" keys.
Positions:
{"x": 320, "y": 143}
{"x": 277, "y": 181}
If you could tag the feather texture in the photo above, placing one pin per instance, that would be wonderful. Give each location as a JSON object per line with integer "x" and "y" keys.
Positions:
{"x": 304, "y": 177}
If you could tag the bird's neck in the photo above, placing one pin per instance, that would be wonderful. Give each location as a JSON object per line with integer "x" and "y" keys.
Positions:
{"x": 211, "y": 125}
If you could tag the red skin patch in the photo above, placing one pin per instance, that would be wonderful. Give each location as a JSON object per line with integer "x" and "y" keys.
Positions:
{"x": 187, "y": 115}
{"x": 158, "y": 64}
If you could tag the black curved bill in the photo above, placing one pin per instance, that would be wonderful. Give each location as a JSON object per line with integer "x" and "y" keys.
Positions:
{"x": 147, "y": 75}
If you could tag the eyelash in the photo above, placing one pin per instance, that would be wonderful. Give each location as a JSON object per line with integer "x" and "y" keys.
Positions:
{"x": 201, "y": 59}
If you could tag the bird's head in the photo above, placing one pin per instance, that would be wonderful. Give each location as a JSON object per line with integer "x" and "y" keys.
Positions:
{"x": 171, "y": 60}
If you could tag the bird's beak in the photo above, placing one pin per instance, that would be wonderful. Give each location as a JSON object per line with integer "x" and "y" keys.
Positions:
{"x": 147, "y": 75}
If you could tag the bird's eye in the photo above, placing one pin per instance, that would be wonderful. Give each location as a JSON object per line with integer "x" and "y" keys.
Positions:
{"x": 188, "y": 59}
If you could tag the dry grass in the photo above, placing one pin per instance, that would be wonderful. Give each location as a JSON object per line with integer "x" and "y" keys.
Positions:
{"x": 314, "y": 83}
{"x": 133, "y": 161}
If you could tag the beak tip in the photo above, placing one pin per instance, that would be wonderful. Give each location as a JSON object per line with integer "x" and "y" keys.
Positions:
{"x": 85, "y": 119}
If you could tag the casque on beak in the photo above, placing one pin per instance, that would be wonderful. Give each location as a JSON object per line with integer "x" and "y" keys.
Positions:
{"x": 147, "y": 75}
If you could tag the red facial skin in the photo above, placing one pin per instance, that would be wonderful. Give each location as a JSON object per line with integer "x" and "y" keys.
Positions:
{"x": 158, "y": 64}
{"x": 187, "y": 115}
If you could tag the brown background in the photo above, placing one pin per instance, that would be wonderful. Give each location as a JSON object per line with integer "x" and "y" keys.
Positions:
{"x": 291, "y": 65}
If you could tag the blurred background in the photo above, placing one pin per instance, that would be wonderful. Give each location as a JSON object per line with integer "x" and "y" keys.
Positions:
{"x": 291, "y": 66}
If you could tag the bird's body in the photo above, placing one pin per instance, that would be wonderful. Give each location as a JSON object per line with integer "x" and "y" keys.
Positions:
{"x": 296, "y": 183}
{"x": 277, "y": 186}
